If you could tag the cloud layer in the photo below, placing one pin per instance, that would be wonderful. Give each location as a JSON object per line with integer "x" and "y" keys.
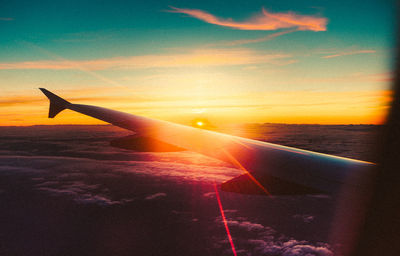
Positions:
{"x": 159, "y": 192}
{"x": 194, "y": 58}
{"x": 266, "y": 21}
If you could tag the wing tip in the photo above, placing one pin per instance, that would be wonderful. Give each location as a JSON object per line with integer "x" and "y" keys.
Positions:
{"x": 57, "y": 104}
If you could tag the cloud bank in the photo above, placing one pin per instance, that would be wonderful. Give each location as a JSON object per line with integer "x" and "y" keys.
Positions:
{"x": 266, "y": 21}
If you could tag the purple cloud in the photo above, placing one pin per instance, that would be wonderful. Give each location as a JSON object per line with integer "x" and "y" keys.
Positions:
{"x": 155, "y": 196}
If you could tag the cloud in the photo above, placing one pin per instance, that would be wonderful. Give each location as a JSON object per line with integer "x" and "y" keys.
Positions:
{"x": 81, "y": 197}
{"x": 291, "y": 248}
{"x": 262, "y": 39}
{"x": 155, "y": 196}
{"x": 80, "y": 192}
{"x": 351, "y": 79}
{"x": 249, "y": 226}
{"x": 348, "y": 53}
{"x": 256, "y": 40}
{"x": 380, "y": 77}
{"x": 266, "y": 21}
{"x": 15, "y": 100}
{"x": 263, "y": 240}
{"x": 23, "y": 99}
{"x": 297, "y": 248}
{"x": 193, "y": 58}
{"x": 304, "y": 217}
{"x": 6, "y": 19}
{"x": 243, "y": 223}
{"x": 188, "y": 166}
{"x": 209, "y": 194}
{"x": 47, "y": 183}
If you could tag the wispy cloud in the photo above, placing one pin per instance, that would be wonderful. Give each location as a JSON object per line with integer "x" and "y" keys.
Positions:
{"x": 348, "y": 53}
{"x": 258, "y": 40}
{"x": 71, "y": 64}
{"x": 6, "y": 19}
{"x": 265, "y": 21}
{"x": 155, "y": 196}
{"x": 72, "y": 95}
{"x": 194, "y": 58}
{"x": 358, "y": 77}
{"x": 80, "y": 192}
{"x": 15, "y": 100}
{"x": 380, "y": 77}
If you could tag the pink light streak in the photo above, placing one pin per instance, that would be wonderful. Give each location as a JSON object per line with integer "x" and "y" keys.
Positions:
{"x": 228, "y": 233}
{"x": 235, "y": 162}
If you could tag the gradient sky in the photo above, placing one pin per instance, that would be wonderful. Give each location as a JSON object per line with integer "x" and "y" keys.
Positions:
{"x": 283, "y": 61}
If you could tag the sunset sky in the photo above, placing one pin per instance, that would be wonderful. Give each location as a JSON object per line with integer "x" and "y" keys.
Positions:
{"x": 314, "y": 61}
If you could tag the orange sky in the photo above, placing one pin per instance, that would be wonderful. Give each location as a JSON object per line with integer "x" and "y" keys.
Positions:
{"x": 358, "y": 107}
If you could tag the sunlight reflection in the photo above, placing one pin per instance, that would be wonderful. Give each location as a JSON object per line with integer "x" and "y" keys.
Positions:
{"x": 241, "y": 167}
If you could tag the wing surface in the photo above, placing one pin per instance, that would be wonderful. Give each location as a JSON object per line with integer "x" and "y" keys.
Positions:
{"x": 264, "y": 164}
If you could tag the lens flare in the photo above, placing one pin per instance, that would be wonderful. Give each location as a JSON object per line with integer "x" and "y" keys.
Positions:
{"x": 234, "y": 161}
{"x": 228, "y": 233}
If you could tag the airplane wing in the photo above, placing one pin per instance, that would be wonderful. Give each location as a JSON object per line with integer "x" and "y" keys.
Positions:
{"x": 267, "y": 168}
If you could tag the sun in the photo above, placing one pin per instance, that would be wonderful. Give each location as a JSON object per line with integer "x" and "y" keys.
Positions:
{"x": 202, "y": 123}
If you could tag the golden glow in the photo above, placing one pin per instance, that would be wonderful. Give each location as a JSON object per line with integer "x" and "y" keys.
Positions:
{"x": 227, "y": 85}
{"x": 358, "y": 107}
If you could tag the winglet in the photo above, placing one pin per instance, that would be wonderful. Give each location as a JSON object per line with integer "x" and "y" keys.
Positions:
{"x": 57, "y": 104}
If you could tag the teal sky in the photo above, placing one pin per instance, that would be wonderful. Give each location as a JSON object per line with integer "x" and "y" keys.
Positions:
{"x": 150, "y": 49}
{"x": 93, "y": 29}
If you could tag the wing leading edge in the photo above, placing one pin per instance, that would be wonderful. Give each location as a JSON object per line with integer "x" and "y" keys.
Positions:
{"x": 268, "y": 168}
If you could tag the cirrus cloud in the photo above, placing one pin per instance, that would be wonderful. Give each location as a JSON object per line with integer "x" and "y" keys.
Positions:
{"x": 257, "y": 40}
{"x": 266, "y": 21}
{"x": 192, "y": 58}
{"x": 348, "y": 53}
